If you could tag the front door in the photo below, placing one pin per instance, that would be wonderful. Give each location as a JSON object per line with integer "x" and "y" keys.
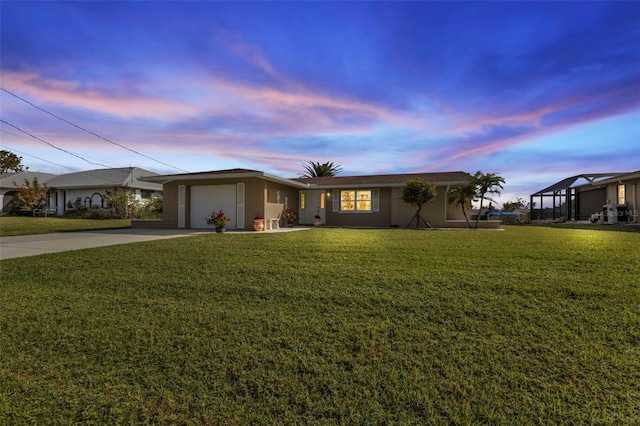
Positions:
{"x": 312, "y": 203}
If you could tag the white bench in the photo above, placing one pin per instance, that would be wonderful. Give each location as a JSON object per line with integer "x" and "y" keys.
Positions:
{"x": 273, "y": 214}
{"x": 45, "y": 211}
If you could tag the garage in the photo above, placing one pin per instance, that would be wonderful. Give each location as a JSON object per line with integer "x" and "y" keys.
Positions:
{"x": 208, "y": 198}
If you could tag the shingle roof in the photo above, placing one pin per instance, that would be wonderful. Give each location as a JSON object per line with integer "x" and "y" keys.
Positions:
{"x": 441, "y": 178}
{"x": 223, "y": 174}
{"x": 14, "y": 180}
{"x": 212, "y": 172}
{"x": 105, "y": 178}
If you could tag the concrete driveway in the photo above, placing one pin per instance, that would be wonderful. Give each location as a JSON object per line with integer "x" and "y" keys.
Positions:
{"x": 32, "y": 245}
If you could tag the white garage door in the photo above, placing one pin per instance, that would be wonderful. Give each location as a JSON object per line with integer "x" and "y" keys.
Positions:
{"x": 207, "y": 198}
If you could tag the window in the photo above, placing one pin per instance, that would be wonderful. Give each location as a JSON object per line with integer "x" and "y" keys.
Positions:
{"x": 621, "y": 194}
{"x": 322, "y": 201}
{"x": 145, "y": 195}
{"x": 353, "y": 200}
{"x": 302, "y": 201}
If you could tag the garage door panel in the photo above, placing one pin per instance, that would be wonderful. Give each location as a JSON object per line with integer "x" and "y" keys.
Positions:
{"x": 208, "y": 198}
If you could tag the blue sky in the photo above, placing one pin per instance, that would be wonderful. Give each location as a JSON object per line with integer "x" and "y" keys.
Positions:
{"x": 533, "y": 91}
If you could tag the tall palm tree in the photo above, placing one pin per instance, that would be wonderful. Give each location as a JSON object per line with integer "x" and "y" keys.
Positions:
{"x": 319, "y": 170}
{"x": 489, "y": 183}
{"x": 462, "y": 196}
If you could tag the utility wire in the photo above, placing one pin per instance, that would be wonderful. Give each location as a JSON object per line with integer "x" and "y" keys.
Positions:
{"x": 88, "y": 173}
{"x": 90, "y": 132}
{"x": 31, "y": 140}
{"x": 53, "y": 146}
{"x": 37, "y": 158}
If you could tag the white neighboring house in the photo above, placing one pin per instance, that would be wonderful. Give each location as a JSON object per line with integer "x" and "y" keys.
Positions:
{"x": 91, "y": 186}
{"x": 10, "y": 182}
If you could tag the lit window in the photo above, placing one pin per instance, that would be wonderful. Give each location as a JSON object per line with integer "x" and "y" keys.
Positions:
{"x": 322, "y": 200}
{"x": 302, "y": 201}
{"x": 621, "y": 194}
{"x": 355, "y": 200}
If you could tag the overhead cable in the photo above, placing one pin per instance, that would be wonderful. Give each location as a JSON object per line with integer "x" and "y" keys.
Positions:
{"x": 53, "y": 146}
{"x": 37, "y": 158}
{"x": 90, "y": 132}
{"x": 30, "y": 139}
{"x": 88, "y": 173}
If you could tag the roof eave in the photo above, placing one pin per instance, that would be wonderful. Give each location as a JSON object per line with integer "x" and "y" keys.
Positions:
{"x": 619, "y": 178}
{"x": 218, "y": 176}
{"x": 378, "y": 185}
{"x": 110, "y": 185}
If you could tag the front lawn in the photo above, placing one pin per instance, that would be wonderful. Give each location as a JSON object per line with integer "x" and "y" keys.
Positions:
{"x": 21, "y": 225}
{"x": 532, "y": 325}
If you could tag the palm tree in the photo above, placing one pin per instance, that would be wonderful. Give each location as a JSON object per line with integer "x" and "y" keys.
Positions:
{"x": 489, "y": 183}
{"x": 319, "y": 170}
{"x": 462, "y": 196}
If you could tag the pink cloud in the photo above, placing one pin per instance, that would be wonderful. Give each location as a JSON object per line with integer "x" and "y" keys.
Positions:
{"x": 72, "y": 94}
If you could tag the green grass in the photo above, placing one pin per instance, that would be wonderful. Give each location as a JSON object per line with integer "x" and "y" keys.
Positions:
{"x": 14, "y": 225}
{"x": 595, "y": 227}
{"x": 533, "y": 325}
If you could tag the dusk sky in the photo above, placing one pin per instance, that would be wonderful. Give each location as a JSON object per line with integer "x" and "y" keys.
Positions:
{"x": 532, "y": 91}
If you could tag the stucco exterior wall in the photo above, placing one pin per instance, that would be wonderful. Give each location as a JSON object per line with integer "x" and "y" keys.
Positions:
{"x": 257, "y": 192}
{"x": 393, "y": 212}
{"x": 632, "y": 197}
{"x": 379, "y": 219}
{"x": 437, "y": 212}
{"x": 61, "y": 198}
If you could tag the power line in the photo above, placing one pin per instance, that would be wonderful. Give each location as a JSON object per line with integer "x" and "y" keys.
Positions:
{"x": 37, "y": 158}
{"x": 90, "y": 132}
{"x": 88, "y": 173}
{"x": 53, "y": 146}
{"x": 29, "y": 139}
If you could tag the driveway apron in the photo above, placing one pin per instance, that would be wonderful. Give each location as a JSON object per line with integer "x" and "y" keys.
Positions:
{"x": 32, "y": 245}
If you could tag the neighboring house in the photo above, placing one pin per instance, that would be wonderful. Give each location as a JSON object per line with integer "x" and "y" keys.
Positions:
{"x": 90, "y": 187}
{"x": 11, "y": 182}
{"x": 343, "y": 201}
{"x": 617, "y": 194}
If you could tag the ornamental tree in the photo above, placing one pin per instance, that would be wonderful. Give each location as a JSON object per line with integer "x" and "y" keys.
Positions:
{"x": 418, "y": 192}
{"x": 122, "y": 202}
{"x": 30, "y": 196}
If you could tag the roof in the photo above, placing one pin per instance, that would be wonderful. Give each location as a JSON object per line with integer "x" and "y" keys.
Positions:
{"x": 390, "y": 180}
{"x": 439, "y": 179}
{"x": 105, "y": 178}
{"x": 14, "y": 180}
{"x": 594, "y": 178}
{"x": 196, "y": 175}
{"x": 621, "y": 178}
{"x": 222, "y": 174}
